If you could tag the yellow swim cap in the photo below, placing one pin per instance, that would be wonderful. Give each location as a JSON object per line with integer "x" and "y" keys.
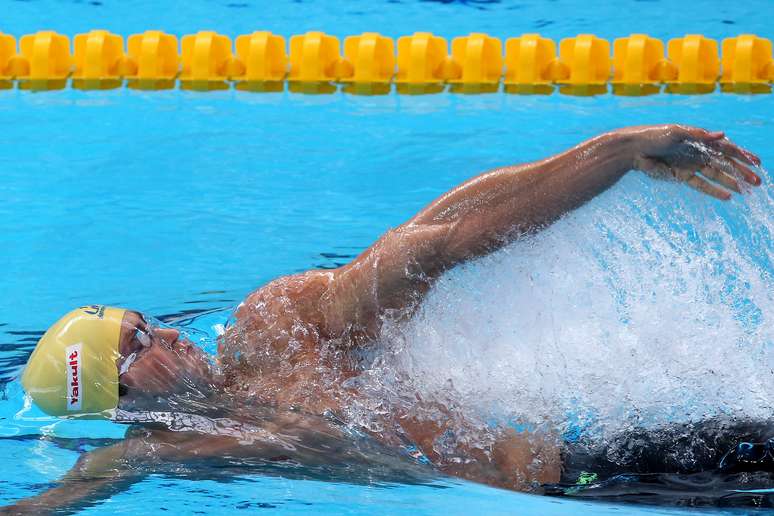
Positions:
{"x": 72, "y": 371}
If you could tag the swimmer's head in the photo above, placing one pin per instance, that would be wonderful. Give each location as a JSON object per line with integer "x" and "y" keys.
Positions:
{"x": 96, "y": 359}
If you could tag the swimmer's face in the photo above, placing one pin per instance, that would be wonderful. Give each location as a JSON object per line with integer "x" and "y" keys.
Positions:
{"x": 155, "y": 364}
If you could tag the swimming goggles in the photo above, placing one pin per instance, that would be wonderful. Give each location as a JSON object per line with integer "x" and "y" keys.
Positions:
{"x": 140, "y": 342}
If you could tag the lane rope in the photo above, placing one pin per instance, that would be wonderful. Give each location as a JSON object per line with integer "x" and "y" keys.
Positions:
{"x": 372, "y": 64}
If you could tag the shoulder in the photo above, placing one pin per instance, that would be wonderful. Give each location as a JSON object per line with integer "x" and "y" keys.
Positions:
{"x": 297, "y": 296}
{"x": 278, "y": 318}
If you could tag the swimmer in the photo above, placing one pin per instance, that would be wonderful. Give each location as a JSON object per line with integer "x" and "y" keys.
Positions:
{"x": 280, "y": 386}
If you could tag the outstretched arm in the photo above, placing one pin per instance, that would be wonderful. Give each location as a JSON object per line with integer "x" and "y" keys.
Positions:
{"x": 296, "y": 437}
{"x": 489, "y": 211}
{"x": 95, "y": 476}
{"x": 100, "y": 473}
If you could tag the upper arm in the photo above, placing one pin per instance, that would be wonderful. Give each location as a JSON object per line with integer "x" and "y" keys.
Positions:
{"x": 391, "y": 275}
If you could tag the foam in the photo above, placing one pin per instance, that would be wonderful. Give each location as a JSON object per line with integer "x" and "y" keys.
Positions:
{"x": 647, "y": 306}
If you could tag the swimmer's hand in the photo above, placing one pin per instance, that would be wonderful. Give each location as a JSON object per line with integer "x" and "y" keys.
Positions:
{"x": 707, "y": 161}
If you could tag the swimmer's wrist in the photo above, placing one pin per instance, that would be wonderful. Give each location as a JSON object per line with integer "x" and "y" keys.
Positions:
{"x": 623, "y": 146}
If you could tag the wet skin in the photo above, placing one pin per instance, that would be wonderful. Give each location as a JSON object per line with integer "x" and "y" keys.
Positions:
{"x": 161, "y": 364}
{"x": 291, "y": 345}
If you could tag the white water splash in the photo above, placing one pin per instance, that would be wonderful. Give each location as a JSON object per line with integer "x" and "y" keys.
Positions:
{"x": 628, "y": 312}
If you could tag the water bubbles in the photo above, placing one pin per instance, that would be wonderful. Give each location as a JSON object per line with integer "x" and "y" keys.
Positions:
{"x": 646, "y": 307}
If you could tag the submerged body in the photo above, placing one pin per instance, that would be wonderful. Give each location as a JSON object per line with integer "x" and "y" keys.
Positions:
{"x": 282, "y": 390}
{"x": 285, "y": 351}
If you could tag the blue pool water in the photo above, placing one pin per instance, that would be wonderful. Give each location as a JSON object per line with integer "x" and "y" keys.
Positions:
{"x": 180, "y": 202}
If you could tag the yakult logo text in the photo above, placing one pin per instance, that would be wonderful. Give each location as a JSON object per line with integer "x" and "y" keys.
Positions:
{"x": 73, "y": 364}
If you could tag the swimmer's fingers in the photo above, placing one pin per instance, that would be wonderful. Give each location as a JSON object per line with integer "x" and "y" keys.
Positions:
{"x": 738, "y": 157}
{"x": 660, "y": 170}
{"x": 734, "y": 168}
{"x": 720, "y": 176}
{"x": 704, "y": 186}
{"x": 703, "y": 135}
{"x": 718, "y": 141}
{"x": 729, "y": 148}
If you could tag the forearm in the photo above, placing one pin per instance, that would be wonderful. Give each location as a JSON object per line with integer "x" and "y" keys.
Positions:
{"x": 490, "y": 209}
